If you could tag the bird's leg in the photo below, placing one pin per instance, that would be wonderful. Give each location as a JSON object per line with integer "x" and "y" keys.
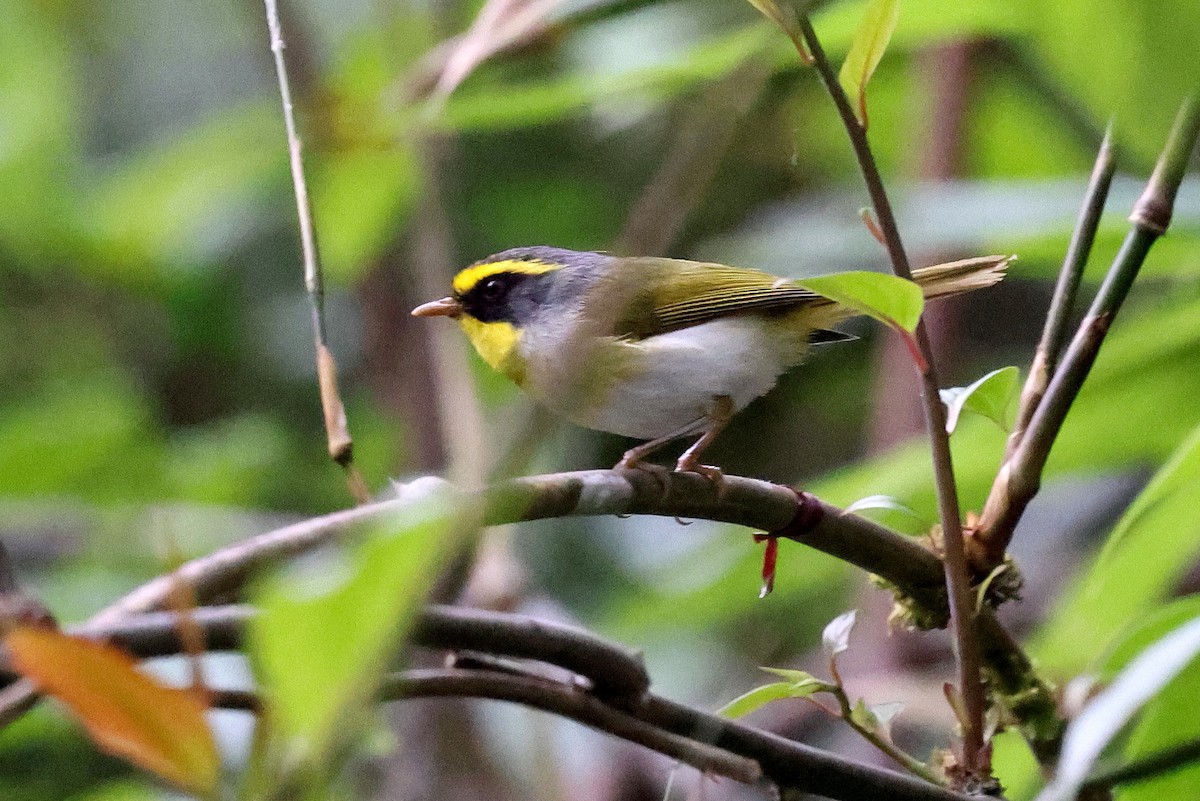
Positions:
{"x": 634, "y": 458}
{"x": 717, "y": 419}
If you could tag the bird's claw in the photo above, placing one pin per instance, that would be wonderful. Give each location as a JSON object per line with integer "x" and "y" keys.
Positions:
{"x": 713, "y": 474}
{"x": 660, "y": 473}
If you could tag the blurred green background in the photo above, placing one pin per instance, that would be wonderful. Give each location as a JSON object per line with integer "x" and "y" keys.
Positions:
{"x": 156, "y": 360}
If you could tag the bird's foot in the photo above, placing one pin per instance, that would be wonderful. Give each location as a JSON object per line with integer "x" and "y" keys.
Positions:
{"x": 631, "y": 461}
{"x": 713, "y": 474}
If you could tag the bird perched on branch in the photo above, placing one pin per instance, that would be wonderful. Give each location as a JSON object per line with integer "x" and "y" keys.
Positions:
{"x": 652, "y": 348}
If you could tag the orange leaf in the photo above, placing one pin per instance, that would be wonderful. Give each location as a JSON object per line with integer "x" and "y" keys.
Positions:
{"x": 127, "y": 713}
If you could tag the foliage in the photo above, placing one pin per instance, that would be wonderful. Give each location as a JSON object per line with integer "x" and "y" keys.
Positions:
{"x": 158, "y": 373}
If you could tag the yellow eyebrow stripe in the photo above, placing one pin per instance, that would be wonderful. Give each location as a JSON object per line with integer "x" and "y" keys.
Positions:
{"x": 470, "y": 276}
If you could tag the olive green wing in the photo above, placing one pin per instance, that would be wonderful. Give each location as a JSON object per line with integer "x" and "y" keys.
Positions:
{"x": 679, "y": 294}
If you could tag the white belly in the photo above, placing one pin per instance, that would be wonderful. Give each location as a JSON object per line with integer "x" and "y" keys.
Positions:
{"x": 674, "y": 378}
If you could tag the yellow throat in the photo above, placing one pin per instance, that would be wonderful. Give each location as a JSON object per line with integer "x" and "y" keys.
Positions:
{"x": 497, "y": 344}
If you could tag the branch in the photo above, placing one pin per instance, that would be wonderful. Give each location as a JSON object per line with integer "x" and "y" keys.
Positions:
{"x": 619, "y": 701}
{"x": 613, "y": 669}
{"x": 701, "y": 739}
{"x": 990, "y": 544}
{"x": 743, "y": 501}
{"x": 957, "y": 577}
{"x": 337, "y": 432}
{"x": 1019, "y": 477}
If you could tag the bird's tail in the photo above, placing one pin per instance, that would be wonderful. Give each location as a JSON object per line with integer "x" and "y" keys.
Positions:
{"x": 954, "y": 277}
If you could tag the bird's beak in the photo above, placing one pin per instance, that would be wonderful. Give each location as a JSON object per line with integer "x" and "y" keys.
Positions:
{"x": 446, "y": 307}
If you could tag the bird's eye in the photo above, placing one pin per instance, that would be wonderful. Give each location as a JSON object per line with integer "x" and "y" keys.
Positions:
{"x": 492, "y": 289}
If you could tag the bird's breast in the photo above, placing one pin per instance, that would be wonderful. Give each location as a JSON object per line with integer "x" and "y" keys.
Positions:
{"x": 655, "y": 386}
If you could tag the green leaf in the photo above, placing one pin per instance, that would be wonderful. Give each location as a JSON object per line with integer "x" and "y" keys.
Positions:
{"x": 323, "y": 640}
{"x": 798, "y": 685}
{"x": 490, "y": 107}
{"x": 992, "y": 397}
{"x": 1015, "y": 765}
{"x": 782, "y": 16}
{"x": 836, "y": 637}
{"x": 1108, "y": 713}
{"x": 796, "y": 677}
{"x": 190, "y": 199}
{"x": 758, "y": 697}
{"x": 870, "y": 41}
{"x": 884, "y": 714}
{"x": 1148, "y": 552}
{"x": 893, "y": 301}
{"x": 1149, "y": 629}
{"x": 1170, "y": 718}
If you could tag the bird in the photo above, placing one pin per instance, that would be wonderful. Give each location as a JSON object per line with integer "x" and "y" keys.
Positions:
{"x": 654, "y": 349}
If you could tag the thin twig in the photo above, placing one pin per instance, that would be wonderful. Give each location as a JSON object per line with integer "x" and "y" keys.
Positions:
{"x": 1054, "y": 334}
{"x": 989, "y": 545}
{"x": 897, "y": 754}
{"x": 1147, "y": 767}
{"x": 958, "y": 583}
{"x": 337, "y": 431}
{"x": 1020, "y": 477}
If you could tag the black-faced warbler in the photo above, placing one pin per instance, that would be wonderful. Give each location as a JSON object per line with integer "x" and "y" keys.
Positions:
{"x": 651, "y": 348}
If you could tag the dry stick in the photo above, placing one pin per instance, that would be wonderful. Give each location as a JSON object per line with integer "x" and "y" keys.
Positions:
{"x": 337, "y": 431}
{"x": 1019, "y": 478}
{"x": 958, "y": 582}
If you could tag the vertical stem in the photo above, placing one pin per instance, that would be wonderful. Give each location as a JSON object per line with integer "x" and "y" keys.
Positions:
{"x": 1045, "y": 359}
{"x": 1020, "y": 475}
{"x": 958, "y": 584}
{"x": 337, "y": 431}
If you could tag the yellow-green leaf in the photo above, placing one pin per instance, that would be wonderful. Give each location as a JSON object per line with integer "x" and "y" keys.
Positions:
{"x": 782, "y": 16}
{"x": 992, "y": 396}
{"x": 893, "y": 301}
{"x": 326, "y": 634}
{"x": 127, "y": 713}
{"x": 870, "y": 40}
{"x": 760, "y": 696}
